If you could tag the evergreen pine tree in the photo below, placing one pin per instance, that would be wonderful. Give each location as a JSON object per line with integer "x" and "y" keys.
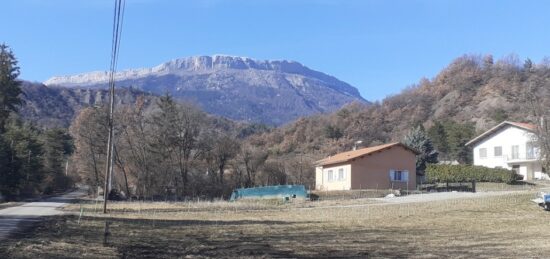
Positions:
{"x": 10, "y": 176}
{"x": 27, "y": 153}
{"x": 438, "y": 135}
{"x": 58, "y": 145}
{"x": 10, "y": 89}
{"x": 457, "y": 137}
{"x": 419, "y": 140}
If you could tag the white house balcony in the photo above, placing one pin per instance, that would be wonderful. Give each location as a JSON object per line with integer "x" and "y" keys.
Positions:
{"x": 517, "y": 158}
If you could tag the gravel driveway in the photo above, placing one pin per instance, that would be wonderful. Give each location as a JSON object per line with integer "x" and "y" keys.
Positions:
{"x": 418, "y": 198}
{"x": 439, "y": 196}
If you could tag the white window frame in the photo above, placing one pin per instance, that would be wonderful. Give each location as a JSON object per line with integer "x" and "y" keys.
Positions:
{"x": 495, "y": 151}
{"x": 514, "y": 155}
{"x": 330, "y": 175}
{"x": 530, "y": 150}
{"x": 403, "y": 175}
{"x": 341, "y": 174}
{"x": 482, "y": 152}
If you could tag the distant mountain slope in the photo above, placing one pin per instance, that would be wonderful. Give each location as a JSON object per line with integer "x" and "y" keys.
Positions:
{"x": 57, "y": 106}
{"x": 271, "y": 92}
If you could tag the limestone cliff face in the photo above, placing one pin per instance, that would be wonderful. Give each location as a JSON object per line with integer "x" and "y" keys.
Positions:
{"x": 272, "y": 92}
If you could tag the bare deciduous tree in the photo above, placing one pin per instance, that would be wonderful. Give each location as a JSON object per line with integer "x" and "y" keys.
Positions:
{"x": 88, "y": 129}
{"x": 253, "y": 159}
{"x": 537, "y": 94}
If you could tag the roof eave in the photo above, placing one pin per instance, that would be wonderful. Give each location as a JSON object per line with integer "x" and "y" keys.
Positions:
{"x": 416, "y": 152}
{"x": 336, "y": 162}
{"x": 493, "y": 129}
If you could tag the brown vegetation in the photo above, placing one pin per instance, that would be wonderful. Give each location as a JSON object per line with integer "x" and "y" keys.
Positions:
{"x": 472, "y": 94}
{"x": 498, "y": 226}
{"x": 171, "y": 150}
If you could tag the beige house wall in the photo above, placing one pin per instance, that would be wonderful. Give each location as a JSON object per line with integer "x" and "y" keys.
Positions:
{"x": 318, "y": 177}
{"x": 322, "y": 181}
{"x": 373, "y": 171}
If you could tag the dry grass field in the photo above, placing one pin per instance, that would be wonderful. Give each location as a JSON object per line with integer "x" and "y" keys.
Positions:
{"x": 506, "y": 226}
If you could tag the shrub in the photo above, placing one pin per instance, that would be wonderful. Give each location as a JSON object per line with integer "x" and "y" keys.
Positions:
{"x": 466, "y": 173}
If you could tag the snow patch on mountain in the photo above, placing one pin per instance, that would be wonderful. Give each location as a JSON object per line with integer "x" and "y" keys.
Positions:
{"x": 190, "y": 65}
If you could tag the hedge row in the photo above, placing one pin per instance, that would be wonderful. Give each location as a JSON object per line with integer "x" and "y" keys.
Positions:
{"x": 466, "y": 173}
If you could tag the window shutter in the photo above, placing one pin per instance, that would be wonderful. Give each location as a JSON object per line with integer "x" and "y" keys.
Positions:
{"x": 392, "y": 175}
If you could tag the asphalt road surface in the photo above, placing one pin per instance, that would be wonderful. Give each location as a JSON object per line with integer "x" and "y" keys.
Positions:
{"x": 14, "y": 218}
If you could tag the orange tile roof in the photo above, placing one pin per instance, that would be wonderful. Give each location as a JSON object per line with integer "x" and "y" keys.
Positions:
{"x": 526, "y": 126}
{"x": 349, "y": 155}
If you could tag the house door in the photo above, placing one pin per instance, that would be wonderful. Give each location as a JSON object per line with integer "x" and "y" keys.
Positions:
{"x": 530, "y": 172}
{"x": 530, "y": 175}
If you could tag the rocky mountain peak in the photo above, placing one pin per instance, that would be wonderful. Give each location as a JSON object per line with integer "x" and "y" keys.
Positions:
{"x": 200, "y": 63}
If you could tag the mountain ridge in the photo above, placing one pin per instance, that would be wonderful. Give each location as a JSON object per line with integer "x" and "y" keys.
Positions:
{"x": 272, "y": 92}
{"x": 196, "y": 64}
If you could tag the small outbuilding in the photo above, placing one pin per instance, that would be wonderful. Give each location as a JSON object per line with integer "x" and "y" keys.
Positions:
{"x": 388, "y": 166}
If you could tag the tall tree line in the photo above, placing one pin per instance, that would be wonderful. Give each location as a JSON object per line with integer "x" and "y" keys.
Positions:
{"x": 172, "y": 150}
{"x": 32, "y": 160}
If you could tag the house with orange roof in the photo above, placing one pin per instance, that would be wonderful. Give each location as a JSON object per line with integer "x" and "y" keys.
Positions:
{"x": 510, "y": 145}
{"x": 388, "y": 166}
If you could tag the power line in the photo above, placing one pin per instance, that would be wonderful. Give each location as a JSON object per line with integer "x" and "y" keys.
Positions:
{"x": 118, "y": 18}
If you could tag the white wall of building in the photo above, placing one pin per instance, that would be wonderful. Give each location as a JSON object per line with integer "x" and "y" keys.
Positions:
{"x": 506, "y": 138}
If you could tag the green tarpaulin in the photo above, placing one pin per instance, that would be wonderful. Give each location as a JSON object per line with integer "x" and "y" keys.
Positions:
{"x": 286, "y": 192}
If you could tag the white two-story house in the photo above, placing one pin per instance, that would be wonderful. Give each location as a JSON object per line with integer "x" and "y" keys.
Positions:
{"x": 509, "y": 145}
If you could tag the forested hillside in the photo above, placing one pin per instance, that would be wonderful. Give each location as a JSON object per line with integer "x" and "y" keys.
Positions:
{"x": 57, "y": 106}
{"x": 470, "y": 95}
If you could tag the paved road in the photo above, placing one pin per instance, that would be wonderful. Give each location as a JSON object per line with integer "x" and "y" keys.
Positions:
{"x": 11, "y": 219}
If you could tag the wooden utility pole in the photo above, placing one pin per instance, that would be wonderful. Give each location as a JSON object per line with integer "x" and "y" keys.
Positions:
{"x": 109, "y": 164}
{"x": 117, "y": 31}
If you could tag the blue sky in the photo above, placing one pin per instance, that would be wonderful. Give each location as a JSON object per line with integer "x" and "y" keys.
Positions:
{"x": 380, "y": 47}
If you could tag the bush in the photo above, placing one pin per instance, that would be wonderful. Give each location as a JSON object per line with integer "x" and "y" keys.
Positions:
{"x": 467, "y": 173}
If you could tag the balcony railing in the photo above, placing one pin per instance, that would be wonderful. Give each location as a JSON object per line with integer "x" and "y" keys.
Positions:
{"x": 521, "y": 157}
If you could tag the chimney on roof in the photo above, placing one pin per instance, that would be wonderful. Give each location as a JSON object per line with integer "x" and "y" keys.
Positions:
{"x": 356, "y": 144}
